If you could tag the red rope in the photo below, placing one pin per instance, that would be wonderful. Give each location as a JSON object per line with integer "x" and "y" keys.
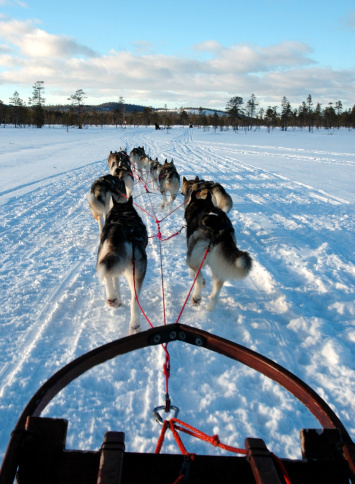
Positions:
{"x": 196, "y": 275}
{"x": 282, "y": 468}
{"x": 213, "y": 440}
{"x": 175, "y": 424}
{"x": 172, "y": 211}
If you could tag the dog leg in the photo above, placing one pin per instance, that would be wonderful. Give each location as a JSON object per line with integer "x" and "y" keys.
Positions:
{"x": 193, "y": 273}
{"x": 116, "y": 285}
{"x": 100, "y": 221}
{"x": 172, "y": 199}
{"x": 113, "y": 298}
{"x": 197, "y": 293}
{"x": 134, "y": 324}
{"x": 217, "y": 285}
{"x": 164, "y": 200}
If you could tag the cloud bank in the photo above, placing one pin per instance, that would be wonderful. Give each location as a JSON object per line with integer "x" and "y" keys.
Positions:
{"x": 209, "y": 77}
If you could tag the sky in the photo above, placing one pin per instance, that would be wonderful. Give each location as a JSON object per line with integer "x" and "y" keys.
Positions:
{"x": 165, "y": 53}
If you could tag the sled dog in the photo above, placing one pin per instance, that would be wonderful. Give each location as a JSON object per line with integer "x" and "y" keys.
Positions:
{"x": 118, "y": 159}
{"x": 139, "y": 159}
{"x": 123, "y": 249}
{"x": 103, "y": 191}
{"x": 220, "y": 197}
{"x": 169, "y": 181}
{"x": 125, "y": 174}
{"x": 120, "y": 166}
{"x": 155, "y": 169}
{"x": 209, "y": 227}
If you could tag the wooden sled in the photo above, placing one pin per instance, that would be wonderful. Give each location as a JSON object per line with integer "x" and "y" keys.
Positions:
{"x": 36, "y": 452}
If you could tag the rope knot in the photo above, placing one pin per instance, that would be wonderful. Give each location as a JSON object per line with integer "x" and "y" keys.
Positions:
{"x": 215, "y": 440}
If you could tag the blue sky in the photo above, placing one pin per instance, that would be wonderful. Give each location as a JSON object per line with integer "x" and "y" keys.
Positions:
{"x": 179, "y": 53}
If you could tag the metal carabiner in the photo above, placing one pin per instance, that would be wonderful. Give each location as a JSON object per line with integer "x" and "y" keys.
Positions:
{"x": 157, "y": 415}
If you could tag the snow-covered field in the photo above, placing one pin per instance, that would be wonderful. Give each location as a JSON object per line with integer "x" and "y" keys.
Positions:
{"x": 293, "y": 196}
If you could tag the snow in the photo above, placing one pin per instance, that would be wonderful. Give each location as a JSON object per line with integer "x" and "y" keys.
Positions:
{"x": 293, "y": 195}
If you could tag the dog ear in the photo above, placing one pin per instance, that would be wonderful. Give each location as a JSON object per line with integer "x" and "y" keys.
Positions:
{"x": 196, "y": 178}
{"x": 184, "y": 179}
{"x": 193, "y": 196}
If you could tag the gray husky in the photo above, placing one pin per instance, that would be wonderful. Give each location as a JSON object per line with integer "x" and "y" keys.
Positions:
{"x": 220, "y": 197}
{"x": 169, "y": 181}
{"x": 155, "y": 169}
{"x": 122, "y": 251}
{"x": 118, "y": 158}
{"x": 103, "y": 191}
{"x": 209, "y": 227}
{"x": 139, "y": 159}
{"x": 120, "y": 165}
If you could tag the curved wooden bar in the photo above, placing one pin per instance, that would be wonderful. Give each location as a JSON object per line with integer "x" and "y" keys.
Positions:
{"x": 168, "y": 334}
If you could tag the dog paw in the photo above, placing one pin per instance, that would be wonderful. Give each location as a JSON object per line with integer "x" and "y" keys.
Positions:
{"x": 211, "y": 305}
{"x": 134, "y": 329}
{"x": 113, "y": 303}
{"x": 196, "y": 301}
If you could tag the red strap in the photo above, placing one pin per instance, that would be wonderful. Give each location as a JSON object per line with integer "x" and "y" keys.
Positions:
{"x": 279, "y": 462}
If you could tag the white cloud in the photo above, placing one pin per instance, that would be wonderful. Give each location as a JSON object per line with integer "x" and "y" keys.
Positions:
{"x": 286, "y": 69}
{"x": 34, "y": 42}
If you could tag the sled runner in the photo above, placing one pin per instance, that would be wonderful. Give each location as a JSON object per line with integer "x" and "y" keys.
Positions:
{"x": 36, "y": 452}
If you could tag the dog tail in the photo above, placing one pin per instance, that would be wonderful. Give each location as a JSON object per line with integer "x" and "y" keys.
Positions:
{"x": 229, "y": 262}
{"x": 223, "y": 199}
{"x": 111, "y": 262}
{"x": 97, "y": 203}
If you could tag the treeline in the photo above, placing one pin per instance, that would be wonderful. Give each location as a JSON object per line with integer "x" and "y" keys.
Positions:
{"x": 238, "y": 115}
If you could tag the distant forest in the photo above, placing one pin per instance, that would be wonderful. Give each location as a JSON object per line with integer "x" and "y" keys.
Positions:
{"x": 237, "y": 115}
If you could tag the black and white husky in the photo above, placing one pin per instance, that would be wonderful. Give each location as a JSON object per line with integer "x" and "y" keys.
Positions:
{"x": 169, "y": 181}
{"x": 220, "y": 197}
{"x": 103, "y": 191}
{"x": 122, "y": 251}
{"x": 120, "y": 166}
{"x": 118, "y": 158}
{"x": 209, "y": 227}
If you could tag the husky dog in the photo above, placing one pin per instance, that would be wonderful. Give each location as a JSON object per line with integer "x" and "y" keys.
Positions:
{"x": 103, "y": 191}
{"x": 155, "y": 169}
{"x": 169, "y": 181}
{"x": 125, "y": 174}
{"x": 122, "y": 252}
{"x": 118, "y": 159}
{"x": 209, "y": 227}
{"x": 140, "y": 159}
{"x": 220, "y": 197}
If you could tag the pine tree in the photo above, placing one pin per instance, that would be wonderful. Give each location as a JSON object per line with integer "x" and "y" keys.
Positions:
{"x": 251, "y": 109}
{"x": 309, "y": 113}
{"x": 37, "y": 101}
{"x": 234, "y": 110}
{"x": 338, "y": 110}
{"x": 77, "y": 100}
{"x": 285, "y": 113}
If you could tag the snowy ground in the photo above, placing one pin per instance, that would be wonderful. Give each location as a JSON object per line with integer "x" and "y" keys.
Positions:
{"x": 293, "y": 211}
